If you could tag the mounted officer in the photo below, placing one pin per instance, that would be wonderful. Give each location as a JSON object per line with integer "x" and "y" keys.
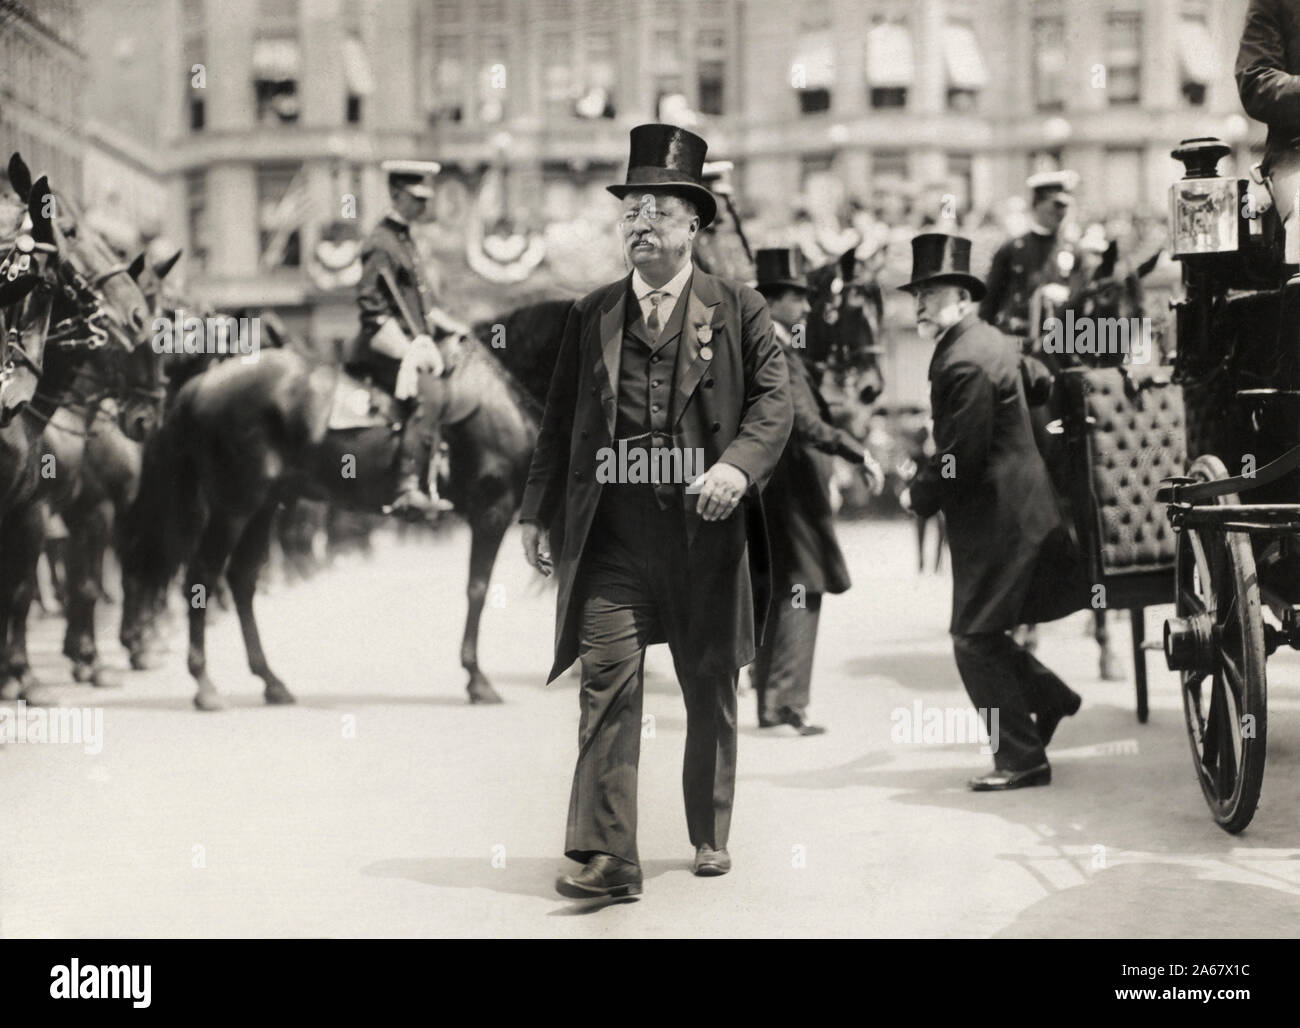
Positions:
{"x": 1039, "y": 257}
{"x": 400, "y": 319}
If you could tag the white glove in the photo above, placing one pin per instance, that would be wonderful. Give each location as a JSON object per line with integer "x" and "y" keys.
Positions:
{"x": 1056, "y": 293}
{"x": 422, "y": 355}
{"x": 873, "y": 475}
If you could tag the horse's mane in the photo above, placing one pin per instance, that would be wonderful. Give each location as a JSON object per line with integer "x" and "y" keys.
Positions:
{"x": 525, "y": 343}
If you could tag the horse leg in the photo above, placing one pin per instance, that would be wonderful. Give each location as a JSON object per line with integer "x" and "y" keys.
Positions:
{"x": 246, "y": 561}
{"x": 920, "y": 544}
{"x": 487, "y": 530}
{"x": 24, "y": 549}
{"x": 1108, "y": 667}
{"x": 201, "y": 580}
{"x": 87, "y": 543}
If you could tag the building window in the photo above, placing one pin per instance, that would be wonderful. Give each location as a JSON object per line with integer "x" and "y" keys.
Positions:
{"x": 890, "y": 68}
{"x": 964, "y": 64}
{"x": 494, "y": 80}
{"x": 1198, "y": 59}
{"x": 360, "y": 80}
{"x": 711, "y": 70}
{"x": 446, "y": 80}
{"x": 961, "y": 181}
{"x": 281, "y": 210}
{"x": 598, "y": 99}
{"x": 558, "y": 75}
{"x": 812, "y": 68}
{"x": 196, "y": 219}
{"x": 1049, "y": 64}
{"x": 275, "y": 80}
{"x": 1123, "y": 59}
{"x": 889, "y": 164}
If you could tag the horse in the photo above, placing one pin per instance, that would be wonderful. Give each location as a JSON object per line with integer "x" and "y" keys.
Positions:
{"x": 1102, "y": 285}
{"x": 64, "y": 331}
{"x": 99, "y": 472}
{"x": 242, "y": 437}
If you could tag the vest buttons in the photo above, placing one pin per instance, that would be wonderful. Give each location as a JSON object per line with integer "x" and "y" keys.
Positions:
{"x": 708, "y": 383}
{"x": 578, "y": 475}
{"x": 717, "y": 427}
{"x": 584, "y": 433}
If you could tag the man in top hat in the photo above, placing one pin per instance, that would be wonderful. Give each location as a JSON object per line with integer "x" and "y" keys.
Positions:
{"x": 806, "y": 557}
{"x": 675, "y": 362}
{"x": 1037, "y": 258}
{"x": 1011, "y": 560}
{"x": 396, "y": 349}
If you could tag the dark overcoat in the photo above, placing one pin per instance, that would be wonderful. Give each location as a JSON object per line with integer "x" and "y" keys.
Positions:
{"x": 731, "y": 400}
{"x": 1012, "y": 557}
{"x": 797, "y": 502}
{"x": 1268, "y": 72}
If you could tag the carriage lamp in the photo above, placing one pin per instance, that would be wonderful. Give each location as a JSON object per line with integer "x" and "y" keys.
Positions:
{"x": 1206, "y": 211}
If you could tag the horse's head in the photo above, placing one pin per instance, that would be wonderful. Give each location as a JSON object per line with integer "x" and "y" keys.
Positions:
{"x": 844, "y": 327}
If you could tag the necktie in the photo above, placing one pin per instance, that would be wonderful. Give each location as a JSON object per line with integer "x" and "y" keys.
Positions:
{"x": 652, "y": 322}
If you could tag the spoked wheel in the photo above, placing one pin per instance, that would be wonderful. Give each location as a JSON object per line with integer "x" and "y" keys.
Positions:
{"x": 1217, "y": 642}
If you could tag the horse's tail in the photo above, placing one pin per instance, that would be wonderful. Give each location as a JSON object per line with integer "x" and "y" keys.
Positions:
{"x": 164, "y": 522}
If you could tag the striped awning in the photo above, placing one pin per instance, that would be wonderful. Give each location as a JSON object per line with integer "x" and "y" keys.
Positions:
{"x": 890, "y": 62}
{"x": 962, "y": 57}
{"x": 1196, "y": 51}
{"x": 356, "y": 68}
{"x": 813, "y": 65}
{"x": 276, "y": 60}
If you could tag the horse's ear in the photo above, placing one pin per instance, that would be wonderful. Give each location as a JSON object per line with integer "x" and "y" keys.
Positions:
{"x": 162, "y": 267}
{"x": 136, "y": 267}
{"x": 12, "y": 292}
{"x": 37, "y": 194}
{"x": 20, "y": 176}
{"x": 1147, "y": 266}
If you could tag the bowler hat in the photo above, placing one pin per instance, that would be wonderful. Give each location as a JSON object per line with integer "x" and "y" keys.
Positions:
{"x": 665, "y": 158}
{"x": 778, "y": 269}
{"x": 938, "y": 258}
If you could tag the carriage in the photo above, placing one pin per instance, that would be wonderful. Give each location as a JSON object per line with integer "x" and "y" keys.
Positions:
{"x": 1186, "y": 478}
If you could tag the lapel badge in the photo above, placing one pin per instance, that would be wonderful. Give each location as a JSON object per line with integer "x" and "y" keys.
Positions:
{"x": 704, "y": 333}
{"x": 706, "y": 352}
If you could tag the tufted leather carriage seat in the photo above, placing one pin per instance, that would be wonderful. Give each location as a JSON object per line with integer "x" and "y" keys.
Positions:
{"x": 1124, "y": 432}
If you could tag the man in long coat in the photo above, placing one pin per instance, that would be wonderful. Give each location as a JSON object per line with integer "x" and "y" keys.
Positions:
{"x": 806, "y": 557}
{"x": 1011, "y": 554}
{"x": 666, "y": 362}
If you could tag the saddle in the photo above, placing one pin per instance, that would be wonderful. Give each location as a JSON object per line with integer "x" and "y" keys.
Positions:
{"x": 359, "y": 403}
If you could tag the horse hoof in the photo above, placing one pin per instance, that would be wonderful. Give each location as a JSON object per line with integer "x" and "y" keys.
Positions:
{"x": 278, "y": 694}
{"x": 208, "y": 700}
{"x": 482, "y": 692}
{"x": 145, "y": 660}
{"x": 83, "y": 672}
{"x": 105, "y": 678}
{"x": 40, "y": 696}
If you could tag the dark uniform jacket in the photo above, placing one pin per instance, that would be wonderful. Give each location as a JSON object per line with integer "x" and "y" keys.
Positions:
{"x": 1268, "y": 72}
{"x": 730, "y": 398}
{"x": 389, "y": 247}
{"x": 1012, "y": 560}
{"x": 797, "y": 501}
{"x": 1019, "y": 267}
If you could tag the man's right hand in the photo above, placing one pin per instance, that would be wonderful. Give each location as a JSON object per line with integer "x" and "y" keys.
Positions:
{"x": 536, "y": 548}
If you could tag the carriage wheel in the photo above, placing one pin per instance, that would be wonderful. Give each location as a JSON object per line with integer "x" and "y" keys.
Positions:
{"x": 1218, "y": 643}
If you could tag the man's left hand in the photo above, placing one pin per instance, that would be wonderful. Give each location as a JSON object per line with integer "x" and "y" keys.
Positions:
{"x": 720, "y": 489}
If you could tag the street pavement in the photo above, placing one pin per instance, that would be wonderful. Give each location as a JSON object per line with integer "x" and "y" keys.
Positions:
{"x": 383, "y": 804}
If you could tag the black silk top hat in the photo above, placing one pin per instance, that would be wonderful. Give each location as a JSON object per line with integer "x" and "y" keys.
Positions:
{"x": 939, "y": 258}
{"x": 669, "y": 159}
{"x": 778, "y": 269}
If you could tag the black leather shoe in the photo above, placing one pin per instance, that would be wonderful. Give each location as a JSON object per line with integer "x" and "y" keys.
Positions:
{"x": 999, "y": 781}
{"x": 709, "y": 863}
{"x": 796, "y": 721}
{"x": 603, "y": 876}
{"x": 1046, "y": 723}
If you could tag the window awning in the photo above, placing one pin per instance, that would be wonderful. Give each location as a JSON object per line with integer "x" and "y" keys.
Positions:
{"x": 889, "y": 56}
{"x": 275, "y": 60}
{"x": 356, "y": 68}
{"x": 961, "y": 55}
{"x": 1196, "y": 51}
{"x": 813, "y": 66}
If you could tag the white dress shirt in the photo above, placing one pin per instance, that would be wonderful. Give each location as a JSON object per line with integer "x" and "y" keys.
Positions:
{"x": 672, "y": 291}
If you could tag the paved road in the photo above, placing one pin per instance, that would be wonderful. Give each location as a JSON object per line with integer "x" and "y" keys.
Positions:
{"x": 384, "y": 805}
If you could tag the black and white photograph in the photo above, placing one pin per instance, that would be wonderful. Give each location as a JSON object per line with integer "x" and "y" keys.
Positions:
{"x": 651, "y": 469}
